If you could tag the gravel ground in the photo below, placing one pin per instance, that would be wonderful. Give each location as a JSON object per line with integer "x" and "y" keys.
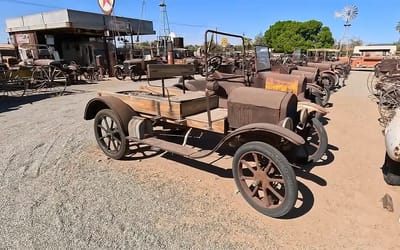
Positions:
{"x": 58, "y": 190}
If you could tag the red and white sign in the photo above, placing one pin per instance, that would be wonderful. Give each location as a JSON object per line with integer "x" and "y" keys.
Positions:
{"x": 106, "y": 6}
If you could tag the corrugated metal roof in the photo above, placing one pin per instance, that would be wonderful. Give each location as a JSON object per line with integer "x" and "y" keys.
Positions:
{"x": 66, "y": 18}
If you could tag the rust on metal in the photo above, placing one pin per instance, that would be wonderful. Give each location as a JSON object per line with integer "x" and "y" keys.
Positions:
{"x": 282, "y": 82}
{"x": 122, "y": 110}
{"x": 253, "y": 105}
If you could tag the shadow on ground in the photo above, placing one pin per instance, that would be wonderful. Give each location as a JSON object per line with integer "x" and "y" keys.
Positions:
{"x": 11, "y": 103}
{"x": 305, "y": 200}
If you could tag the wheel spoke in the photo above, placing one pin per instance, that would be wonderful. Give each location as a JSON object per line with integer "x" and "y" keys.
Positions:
{"x": 106, "y": 122}
{"x": 267, "y": 201}
{"x": 268, "y": 167}
{"x": 117, "y": 139}
{"x": 103, "y": 128}
{"x": 109, "y": 143}
{"x": 247, "y": 165}
{"x": 254, "y": 192}
{"x": 277, "y": 195}
{"x": 113, "y": 142}
{"x": 47, "y": 74}
{"x": 255, "y": 156}
{"x": 244, "y": 177}
{"x": 103, "y": 137}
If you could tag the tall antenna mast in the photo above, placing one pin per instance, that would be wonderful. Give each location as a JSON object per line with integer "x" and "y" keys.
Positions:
{"x": 349, "y": 13}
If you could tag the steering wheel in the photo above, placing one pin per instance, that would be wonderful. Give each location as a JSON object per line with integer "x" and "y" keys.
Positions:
{"x": 213, "y": 64}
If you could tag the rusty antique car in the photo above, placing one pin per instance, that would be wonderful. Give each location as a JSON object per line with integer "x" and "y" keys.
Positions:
{"x": 258, "y": 125}
{"x": 305, "y": 123}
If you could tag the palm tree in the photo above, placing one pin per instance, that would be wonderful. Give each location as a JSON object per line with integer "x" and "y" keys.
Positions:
{"x": 398, "y": 27}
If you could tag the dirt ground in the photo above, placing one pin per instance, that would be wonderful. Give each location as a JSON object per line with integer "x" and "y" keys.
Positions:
{"x": 58, "y": 190}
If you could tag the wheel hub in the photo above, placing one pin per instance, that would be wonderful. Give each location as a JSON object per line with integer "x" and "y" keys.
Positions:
{"x": 261, "y": 179}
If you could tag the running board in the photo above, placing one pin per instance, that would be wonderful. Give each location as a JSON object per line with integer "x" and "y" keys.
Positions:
{"x": 176, "y": 148}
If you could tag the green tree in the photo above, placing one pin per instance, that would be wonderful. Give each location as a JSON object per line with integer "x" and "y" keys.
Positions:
{"x": 286, "y": 36}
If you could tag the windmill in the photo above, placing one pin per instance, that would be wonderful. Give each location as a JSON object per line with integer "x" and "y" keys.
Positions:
{"x": 164, "y": 32}
{"x": 349, "y": 13}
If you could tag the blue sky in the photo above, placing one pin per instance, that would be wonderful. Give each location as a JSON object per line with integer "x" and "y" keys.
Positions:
{"x": 375, "y": 22}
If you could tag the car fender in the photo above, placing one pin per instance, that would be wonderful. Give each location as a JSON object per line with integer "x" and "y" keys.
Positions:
{"x": 311, "y": 107}
{"x": 267, "y": 128}
{"x": 123, "y": 111}
{"x": 315, "y": 88}
{"x": 332, "y": 73}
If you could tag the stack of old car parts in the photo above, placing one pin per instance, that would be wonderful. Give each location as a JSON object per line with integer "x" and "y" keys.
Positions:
{"x": 384, "y": 85}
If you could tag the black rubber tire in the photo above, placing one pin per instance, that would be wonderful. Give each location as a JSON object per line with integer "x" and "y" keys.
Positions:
{"x": 281, "y": 164}
{"x": 328, "y": 80}
{"x": 326, "y": 95}
{"x": 135, "y": 76}
{"x": 391, "y": 171}
{"x": 110, "y": 131}
{"x": 315, "y": 125}
{"x": 119, "y": 74}
{"x": 213, "y": 64}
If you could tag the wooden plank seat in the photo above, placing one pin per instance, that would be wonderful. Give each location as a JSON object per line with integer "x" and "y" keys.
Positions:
{"x": 163, "y": 71}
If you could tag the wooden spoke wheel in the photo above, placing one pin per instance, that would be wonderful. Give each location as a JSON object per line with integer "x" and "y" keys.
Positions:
{"x": 325, "y": 96}
{"x": 15, "y": 88}
{"x": 265, "y": 178}
{"x": 316, "y": 139}
{"x": 328, "y": 80}
{"x": 49, "y": 79}
{"x": 12, "y": 84}
{"x": 109, "y": 134}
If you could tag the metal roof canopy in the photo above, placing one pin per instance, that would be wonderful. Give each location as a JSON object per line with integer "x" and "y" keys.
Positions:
{"x": 73, "y": 19}
{"x": 323, "y": 50}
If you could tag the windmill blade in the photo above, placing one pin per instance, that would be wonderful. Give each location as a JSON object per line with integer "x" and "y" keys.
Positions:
{"x": 350, "y": 12}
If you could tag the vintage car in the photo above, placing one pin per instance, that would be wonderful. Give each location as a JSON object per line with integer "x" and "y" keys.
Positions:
{"x": 136, "y": 66}
{"x": 266, "y": 130}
